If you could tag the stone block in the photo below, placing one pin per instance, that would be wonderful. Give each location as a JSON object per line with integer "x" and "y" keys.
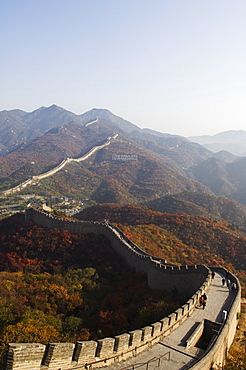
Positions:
{"x": 135, "y": 338}
{"x": 147, "y": 333}
{"x": 179, "y": 313}
{"x": 25, "y": 356}
{"x": 172, "y": 319}
{"x": 156, "y": 328}
{"x": 122, "y": 342}
{"x": 105, "y": 348}
{"x": 85, "y": 352}
{"x": 185, "y": 308}
{"x": 164, "y": 324}
{"x": 59, "y": 355}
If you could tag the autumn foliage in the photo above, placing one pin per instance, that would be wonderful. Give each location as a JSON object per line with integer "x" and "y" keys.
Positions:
{"x": 180, "y": 238}
{"x": 55, "y": 286}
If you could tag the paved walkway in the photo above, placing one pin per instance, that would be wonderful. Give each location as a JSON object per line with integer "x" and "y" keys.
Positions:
{"x": 219, "y": 299}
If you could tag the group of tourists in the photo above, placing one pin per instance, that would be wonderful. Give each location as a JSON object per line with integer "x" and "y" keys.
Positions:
{"x": 226, "y": 282}
{"x": 230, "y": 285}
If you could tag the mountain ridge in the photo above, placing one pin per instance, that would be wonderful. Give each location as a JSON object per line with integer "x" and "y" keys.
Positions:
{"x": 164, "y": 164}
{"x": 231, "y": 140}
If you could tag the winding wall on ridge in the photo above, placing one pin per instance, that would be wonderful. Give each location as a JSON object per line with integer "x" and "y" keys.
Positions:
{"x": 160, "y": 275}
{"x": 34, "y": 179}
{"x": 191, "y": 281}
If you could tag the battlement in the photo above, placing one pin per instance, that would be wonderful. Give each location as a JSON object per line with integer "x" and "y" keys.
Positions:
{"x": 191, "y": 281}
{"x": 193, "y": 276}
{"x": 28, "y": 356}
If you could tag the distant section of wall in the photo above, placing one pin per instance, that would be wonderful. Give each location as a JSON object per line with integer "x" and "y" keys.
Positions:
{"x": 91, "y": 354}
{"x": 34, "y": 179}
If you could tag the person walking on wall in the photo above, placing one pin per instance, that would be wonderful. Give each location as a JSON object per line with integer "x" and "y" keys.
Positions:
{"x": 201, "y": 300}
{"x": 204, "y": 301}
{"x": 213, "y": 274}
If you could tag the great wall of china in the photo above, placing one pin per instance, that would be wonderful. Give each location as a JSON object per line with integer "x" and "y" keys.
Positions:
{"x": 35, "y": 179}
{"x": 191, "y": 281}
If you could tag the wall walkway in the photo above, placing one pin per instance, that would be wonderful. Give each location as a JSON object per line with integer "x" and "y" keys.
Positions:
{"x": 191, "y": 281}
{"x": 185, "y": 346}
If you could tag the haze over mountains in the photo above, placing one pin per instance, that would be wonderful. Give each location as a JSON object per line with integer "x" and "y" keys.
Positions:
{"x": 233, "y": 141}
{"x": 138, "y": 166}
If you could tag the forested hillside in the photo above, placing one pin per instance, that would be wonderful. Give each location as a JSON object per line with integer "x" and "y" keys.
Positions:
{"x": 210, "y": 206}
{"x": 179, "y": 238}
{"x": 74, "y": 287}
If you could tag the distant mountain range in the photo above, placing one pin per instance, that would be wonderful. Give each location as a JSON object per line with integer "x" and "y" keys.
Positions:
{"x": 17, "y": 126}
{"x": 233, "y": 141}
{"x": 138, "y": 166}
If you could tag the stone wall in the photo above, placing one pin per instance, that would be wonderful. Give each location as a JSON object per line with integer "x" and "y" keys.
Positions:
{"x": 181, "y": 280}
{"x": 192, "y": 281}
{"x": 100, "y": 353}
{"x": 215, "y": 355}
{"x": 35, "y": 179}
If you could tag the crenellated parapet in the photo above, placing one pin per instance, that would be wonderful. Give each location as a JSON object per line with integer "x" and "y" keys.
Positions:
{"x": 184, "y": 280}
{"x": 191, "y": 281}
{"x": 102, "y": 352}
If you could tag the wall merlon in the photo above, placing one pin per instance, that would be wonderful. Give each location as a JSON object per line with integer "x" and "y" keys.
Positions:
{"x": 195, "y": 298}
{"x": 185, "y": 309}
{"x": 164, "y": 324}
{"x": 105, "y": 348}
{"x": 85, "y": 352}
{"x": 172, "y": 319}
{"x": 25, "y": 355}
{"x": 58, "y": 353}
{"x": 147, "y": 333}
{"x": 135, "y": 338}
{"x": 191, "y": 304}
{"x": 122, "y": 342}
{"x": 156, "y": 328}
{"x": 179, "y": 313}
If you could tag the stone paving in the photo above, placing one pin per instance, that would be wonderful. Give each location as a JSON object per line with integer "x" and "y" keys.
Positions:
{"x": 219, "y": 299}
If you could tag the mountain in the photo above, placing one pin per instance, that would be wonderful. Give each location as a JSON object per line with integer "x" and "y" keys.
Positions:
{"x": 106, "y": 176}
{"x": 17, "y": 127}
{"x": 45, "y": 151}
{"x": 225, "y": 156}
{"x": 105, "y": 115}
{"x": 207, "y": 205}
{"x": 177, "y": 148}
{"x": 224, "y": 179}
{"x": 233, "y": 141}
{"x": 138, "y": 165}
{"x": 157, "y": 163}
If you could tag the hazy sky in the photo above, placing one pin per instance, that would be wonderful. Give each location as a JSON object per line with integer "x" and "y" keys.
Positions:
{"x": 176, "y": 66}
